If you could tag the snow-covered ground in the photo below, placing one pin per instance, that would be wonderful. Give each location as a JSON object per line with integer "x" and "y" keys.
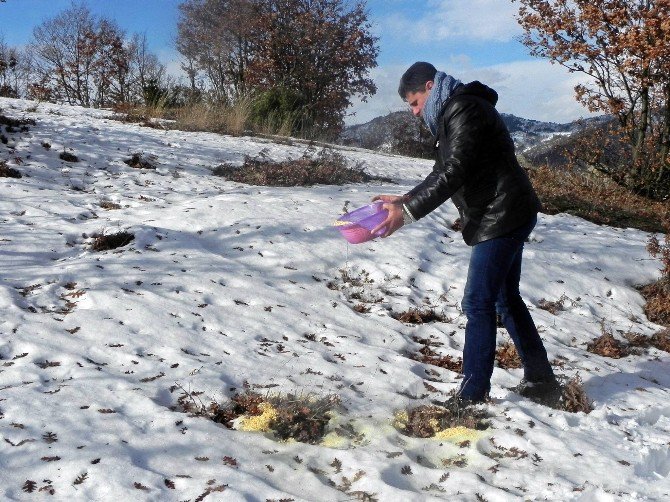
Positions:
{"x": 229, "y": 285}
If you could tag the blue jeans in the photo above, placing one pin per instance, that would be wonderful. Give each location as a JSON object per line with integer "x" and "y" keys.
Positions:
{"x": 493, "y": 287}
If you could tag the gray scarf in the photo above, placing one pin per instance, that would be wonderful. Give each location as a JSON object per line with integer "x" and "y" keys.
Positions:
{"x": 442, "y": 90}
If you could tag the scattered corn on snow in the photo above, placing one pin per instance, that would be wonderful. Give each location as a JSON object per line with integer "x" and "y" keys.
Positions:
{"x": 226, "y": 283}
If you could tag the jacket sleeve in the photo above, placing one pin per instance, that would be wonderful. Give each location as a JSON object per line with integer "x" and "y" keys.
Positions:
{"x": 460, "y": 140}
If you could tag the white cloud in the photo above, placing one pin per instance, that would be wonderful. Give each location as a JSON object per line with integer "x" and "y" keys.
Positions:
{"x": 484, "y": 20}
{"x": 533, "y": 89}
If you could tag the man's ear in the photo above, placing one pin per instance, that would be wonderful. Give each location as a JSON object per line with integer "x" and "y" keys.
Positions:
{"x": 429, "y": 85}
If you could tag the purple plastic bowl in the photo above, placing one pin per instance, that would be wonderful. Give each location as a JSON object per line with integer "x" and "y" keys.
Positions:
{"x": 359, "y": 223}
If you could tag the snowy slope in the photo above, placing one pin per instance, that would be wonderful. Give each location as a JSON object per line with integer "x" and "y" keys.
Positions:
{"x": 227, "y": 283}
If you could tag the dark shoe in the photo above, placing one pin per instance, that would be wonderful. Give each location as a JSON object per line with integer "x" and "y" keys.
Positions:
{"x": 547, "y": 392}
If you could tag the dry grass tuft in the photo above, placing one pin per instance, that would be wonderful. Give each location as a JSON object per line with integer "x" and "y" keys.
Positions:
{"x": 507, "y": 356}
{"x": 574, "y": 398}
{"x": 661, "y": 340}
{"x": 106, "y": 204}
{"x": 608, "y": 346}
{"x": 419, "y": 316}
{"x": 427, "y": 355}
{"x": 425, "y": 421}
{"x": 554, "y": 307}
{"x": 103, "y": 242}
{"x": 326, "y": 168}
{"x": 68, "y": 157}
{"x": 140, "y": 161}
{"x": 8, "y": 172}
{"x": 657, "y": 296}
{"x": 303, "y": 418}
{"x": 214, "y": 118}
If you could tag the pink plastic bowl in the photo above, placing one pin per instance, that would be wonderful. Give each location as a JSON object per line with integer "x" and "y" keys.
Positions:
{"x": 356, "y": 226}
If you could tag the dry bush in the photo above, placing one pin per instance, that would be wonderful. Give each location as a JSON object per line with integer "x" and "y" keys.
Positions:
{"x": 106, "y": 204}
{"x": 326, "y": 168}
{"x": 427, "y": 355}
{"x": 597, "y": 199}
{"x": 247, "y": 403}
{"x": 419, "y": 316}
{"x": 574, "y": 398}
{"x": 661, "y": 340}
{"x": 11, "y": 123}
{"x": 140, "y": 161}
{"x": 507, "y": 356}
{"x": 608, "y": 346}
{"x": 553, "y": 307}
{"x": 426, "y": 420}
{"x": 68, "y": 157}
{"x": 103, "y": 242}
{"x": 8, "y": 172}
{"x": 657, "y": 307}
{"x": 657, "y": 294}
{"x": 303, "y": 418}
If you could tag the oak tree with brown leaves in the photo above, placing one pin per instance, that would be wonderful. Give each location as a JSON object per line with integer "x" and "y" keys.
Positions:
{"x": 623, "y": 46}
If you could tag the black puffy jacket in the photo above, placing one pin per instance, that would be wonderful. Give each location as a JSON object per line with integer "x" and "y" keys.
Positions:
{"x": 477, "y": 168}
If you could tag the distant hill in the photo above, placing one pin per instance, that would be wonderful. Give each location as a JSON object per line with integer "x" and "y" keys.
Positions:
{"x": 402, "y": 133}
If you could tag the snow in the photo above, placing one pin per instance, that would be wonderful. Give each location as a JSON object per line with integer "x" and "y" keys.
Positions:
{"x": 220, "y": 288}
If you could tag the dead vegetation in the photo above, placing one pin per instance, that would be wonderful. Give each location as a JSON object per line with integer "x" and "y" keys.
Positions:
{"x": 109, "y": 205}
{"x": 425, "y": 421}
{"x": 327, "y": 167}
{"x": 608, "y": 346}
{"x": 574, "y": 398}
{"x": 427, "y": 355}
{"x": 417, "y": 315}
{"x": 11, "y": 124}
{"x": 507, "y": 356}
{"x": 597, "y": 199}
{"x": 102, "y": 242}
{"x": 303, "y": 418}
{"x": 68, "y": 157}
{"x": 554, "y": 307}
{"x": 657, "y": 295}
{"x": 141, "y": 161}
{"x": 8, "y": 172}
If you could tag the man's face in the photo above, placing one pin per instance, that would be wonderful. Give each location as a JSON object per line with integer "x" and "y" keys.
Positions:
{"x": 417, "y": 100}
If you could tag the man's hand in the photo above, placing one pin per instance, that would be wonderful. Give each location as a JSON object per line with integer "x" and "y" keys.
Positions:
{"x": 394, "y": 220}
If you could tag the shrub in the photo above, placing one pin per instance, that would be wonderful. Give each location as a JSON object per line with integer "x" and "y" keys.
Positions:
{"x": 426, "y": 421}
{"x": 419, "y": 316}
{"x": 574, "y": 398}
{"x": 103, "y": 242}
{"x": 140, "y": 161}
{"x": 608, "y": 346}
{"x": 507, "y": 356}
{"x": 597, "y": 199}
{"x": 303, "y": 418}
{"x": 68, "y": 157}
{"x": 327, "y": 168}
{"x": 8, "y": 172}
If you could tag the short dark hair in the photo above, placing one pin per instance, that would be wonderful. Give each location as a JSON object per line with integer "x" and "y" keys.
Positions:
{"x": 415, "y": 78}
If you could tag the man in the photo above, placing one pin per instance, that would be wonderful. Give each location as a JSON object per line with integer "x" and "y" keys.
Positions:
{"x": 476, "y": 167}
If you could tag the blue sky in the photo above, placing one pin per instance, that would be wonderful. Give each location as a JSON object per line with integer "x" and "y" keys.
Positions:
{"x": 469, "y": 39}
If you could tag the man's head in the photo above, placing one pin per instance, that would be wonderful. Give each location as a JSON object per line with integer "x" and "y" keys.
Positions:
{"x": 415, "y": 85}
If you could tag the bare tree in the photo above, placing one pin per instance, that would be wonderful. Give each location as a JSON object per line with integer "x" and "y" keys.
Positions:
{"x": 84, "y": 60}
{"x": 216, "y": 38}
